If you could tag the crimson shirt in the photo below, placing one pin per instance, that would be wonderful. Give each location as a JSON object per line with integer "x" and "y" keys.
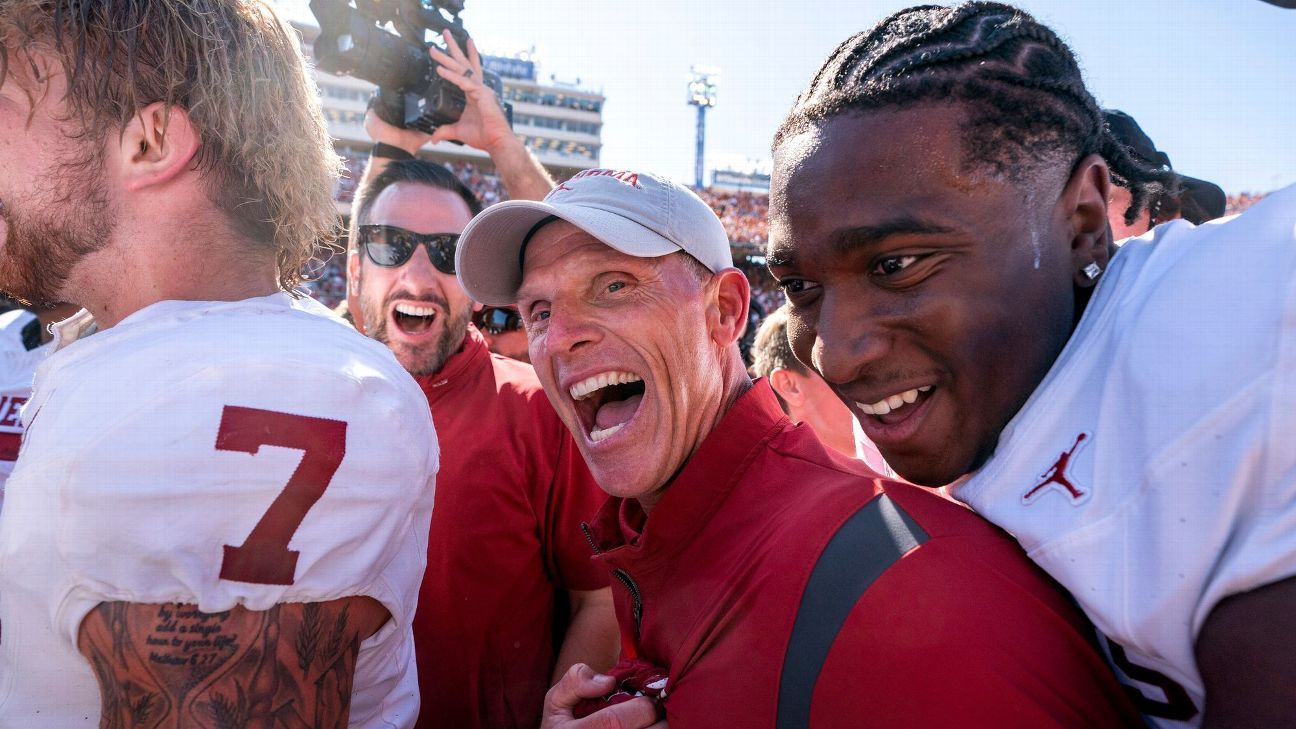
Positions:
{"x": 505, "y": 544}
{"x": 780, "y": 585}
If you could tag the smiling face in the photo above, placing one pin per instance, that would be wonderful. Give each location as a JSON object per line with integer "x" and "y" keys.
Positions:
{"x": 54, "y": 205}
{"x": 419, "y": 312}
{"x": 932, "y": 296}
{"x": 631, "y": 352}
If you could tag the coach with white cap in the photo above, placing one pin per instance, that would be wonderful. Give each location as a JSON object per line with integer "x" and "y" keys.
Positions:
{"x": 761, "y": 575}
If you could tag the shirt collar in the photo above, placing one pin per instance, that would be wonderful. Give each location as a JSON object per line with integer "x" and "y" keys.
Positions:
{"x": 78, "y": 326}
{"x": 471, "y": 353}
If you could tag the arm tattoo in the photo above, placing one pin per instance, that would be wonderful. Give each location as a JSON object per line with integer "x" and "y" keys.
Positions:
{"x": 170, "y": 665}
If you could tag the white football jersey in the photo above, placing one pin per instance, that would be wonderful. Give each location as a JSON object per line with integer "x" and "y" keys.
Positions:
{"x": 17, "y": 366}
{"x": 12, "y": 323}
{"x": 869, "y": 453}
{"x": 1153, "y": 471}
{"x": 162, "y": 461}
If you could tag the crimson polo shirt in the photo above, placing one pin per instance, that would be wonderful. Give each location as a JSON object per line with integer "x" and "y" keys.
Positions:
{"x": 781, "y": 585}
{"x": 505, "y": 544}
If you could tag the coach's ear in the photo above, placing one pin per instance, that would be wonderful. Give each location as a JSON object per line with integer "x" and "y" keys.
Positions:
{"x": 730, "y": 299}
{"x": 157, "y": 144}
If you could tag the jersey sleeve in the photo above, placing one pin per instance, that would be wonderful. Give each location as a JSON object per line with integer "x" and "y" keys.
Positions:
{"x": 573, "y": 497}
{"x": 251, "y": 483}
{"x": 974, "y": 636}
{"x": 1260, "y": 548}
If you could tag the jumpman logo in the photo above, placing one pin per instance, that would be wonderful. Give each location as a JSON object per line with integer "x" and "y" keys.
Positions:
{"x": 1056, "y": 478}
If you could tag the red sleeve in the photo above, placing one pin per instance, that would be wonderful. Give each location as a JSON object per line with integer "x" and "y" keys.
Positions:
{"x": 974, "y": 635}
{"x": 573, "y": 497}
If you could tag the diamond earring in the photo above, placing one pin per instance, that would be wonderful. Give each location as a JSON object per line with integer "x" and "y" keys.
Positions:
{"x": 1092, "y": 271}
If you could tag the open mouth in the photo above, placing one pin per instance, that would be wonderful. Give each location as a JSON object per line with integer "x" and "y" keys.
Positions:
{"x": 413, "y": 319}
{"x": 606, "y": 402}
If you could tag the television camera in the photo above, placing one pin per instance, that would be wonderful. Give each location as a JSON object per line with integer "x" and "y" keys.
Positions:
{"x": 354, "y": 41}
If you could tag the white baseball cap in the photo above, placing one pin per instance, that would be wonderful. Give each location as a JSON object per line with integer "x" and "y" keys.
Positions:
{"x": 636, "y": 213}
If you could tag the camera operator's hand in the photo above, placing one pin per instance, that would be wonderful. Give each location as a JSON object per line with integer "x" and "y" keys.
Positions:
{"x": 410, "y": 140}
{"x": 483, "y": 125}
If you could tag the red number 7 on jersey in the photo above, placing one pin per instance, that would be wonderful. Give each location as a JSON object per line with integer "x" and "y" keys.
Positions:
{"x": 264, "y": 557}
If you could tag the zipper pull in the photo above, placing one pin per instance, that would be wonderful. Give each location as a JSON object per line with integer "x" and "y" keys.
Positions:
{"x": 589, "y": 537}
{"x": 630, "y": 643}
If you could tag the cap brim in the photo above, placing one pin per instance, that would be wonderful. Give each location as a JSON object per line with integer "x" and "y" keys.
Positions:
{"x": 1208, "y": 196}
{"x": 489, "y": 260}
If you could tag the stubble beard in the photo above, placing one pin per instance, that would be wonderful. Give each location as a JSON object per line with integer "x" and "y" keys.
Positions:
{"x": 425, "y": 360}
{"x": 72, "y": 219}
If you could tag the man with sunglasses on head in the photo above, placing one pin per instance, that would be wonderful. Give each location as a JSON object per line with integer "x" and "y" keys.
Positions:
{"x": 510, "y": 599}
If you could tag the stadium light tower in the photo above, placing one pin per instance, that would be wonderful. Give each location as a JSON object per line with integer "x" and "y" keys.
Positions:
{"x": 702, "y": 94}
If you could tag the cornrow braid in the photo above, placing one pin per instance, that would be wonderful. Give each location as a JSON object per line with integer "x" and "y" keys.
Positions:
{"x": 1027, "y": 102}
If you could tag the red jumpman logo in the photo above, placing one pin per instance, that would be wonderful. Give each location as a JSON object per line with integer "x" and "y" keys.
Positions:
{"x": 1056, "y": 477}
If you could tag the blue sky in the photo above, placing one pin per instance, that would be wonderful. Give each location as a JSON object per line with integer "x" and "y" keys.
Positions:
{"x": 1213, "y": 82}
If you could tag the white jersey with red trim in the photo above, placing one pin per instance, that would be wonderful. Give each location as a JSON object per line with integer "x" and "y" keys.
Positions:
{"x": 163, "y": 461}
{"x": 1153, "y": 471}
{"x": 12, "y": 323}
{"x": 866, "y": 451}
{"x": 17, "y": 366}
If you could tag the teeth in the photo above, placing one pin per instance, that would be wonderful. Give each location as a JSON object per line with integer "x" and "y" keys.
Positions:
{"x": 597, "y": 435}
{"x": 590, "y": 385}
{"x": 412, "y": 310}
{"x": 892, "y": 402}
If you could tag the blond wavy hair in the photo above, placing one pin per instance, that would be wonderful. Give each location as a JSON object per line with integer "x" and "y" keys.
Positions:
{"x": 237, "y": 71}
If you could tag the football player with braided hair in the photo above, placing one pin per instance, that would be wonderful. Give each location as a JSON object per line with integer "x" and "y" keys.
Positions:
{"x": 939, "y": 223}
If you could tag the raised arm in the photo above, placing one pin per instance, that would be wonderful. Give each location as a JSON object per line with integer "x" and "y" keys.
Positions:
{"x": 170, "y": 665}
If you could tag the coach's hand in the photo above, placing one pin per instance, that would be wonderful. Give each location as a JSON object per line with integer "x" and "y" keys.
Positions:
{"x": 581, "y": 682}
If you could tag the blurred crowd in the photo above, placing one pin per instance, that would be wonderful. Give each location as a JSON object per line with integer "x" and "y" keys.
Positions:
{"x": 743, "y": 214}
{"x": 1241, "y": 201}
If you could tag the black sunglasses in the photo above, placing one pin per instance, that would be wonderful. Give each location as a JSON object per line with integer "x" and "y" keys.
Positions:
{"x": 494, "y": 320}
{"x": 389, "y": 246}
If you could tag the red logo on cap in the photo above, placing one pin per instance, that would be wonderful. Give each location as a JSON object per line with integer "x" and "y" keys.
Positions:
{"x": 631, "y": 179}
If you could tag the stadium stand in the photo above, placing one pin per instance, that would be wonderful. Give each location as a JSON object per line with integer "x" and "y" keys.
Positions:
{"x": 743, "y": 215}
{"x": 1241, "y": 201}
